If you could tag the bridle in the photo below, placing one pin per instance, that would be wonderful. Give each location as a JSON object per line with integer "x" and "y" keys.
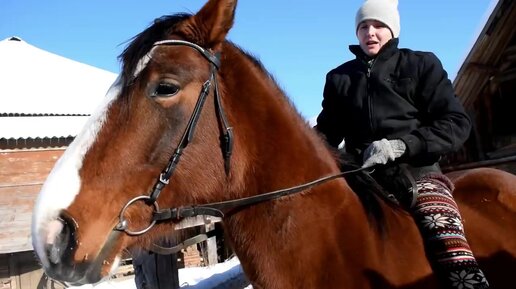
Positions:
{"x": 216, "y": 209}
{"x": 226, "y": 139}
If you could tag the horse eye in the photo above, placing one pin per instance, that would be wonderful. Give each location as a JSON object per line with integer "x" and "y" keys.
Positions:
{"x": 165, "y": 90}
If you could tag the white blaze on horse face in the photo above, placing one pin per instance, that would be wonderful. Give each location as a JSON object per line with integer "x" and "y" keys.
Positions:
{"x": 63, "y": 184}
{"x": 142, "y": 63}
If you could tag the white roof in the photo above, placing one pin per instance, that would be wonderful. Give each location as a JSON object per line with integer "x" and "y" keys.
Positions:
{"x": 41, "y": 126}
{"x": 37, "y": 82}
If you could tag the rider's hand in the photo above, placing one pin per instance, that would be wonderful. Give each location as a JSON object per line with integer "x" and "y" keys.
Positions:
{"x": 383, "y": 151}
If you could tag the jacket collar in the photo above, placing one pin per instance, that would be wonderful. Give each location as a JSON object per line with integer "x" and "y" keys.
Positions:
{"x": 385, "y": 52}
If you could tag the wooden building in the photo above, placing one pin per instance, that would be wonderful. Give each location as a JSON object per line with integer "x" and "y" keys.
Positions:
{"x": 37, "y": 122}
{"x": 486, "y": 85}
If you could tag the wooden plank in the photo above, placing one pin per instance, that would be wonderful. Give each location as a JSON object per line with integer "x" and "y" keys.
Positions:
{"x": 26, "y": 167}
{"x": 26, "y": 270}
{"x": 196, "y": 221}
{"x": 22, "y": 174}
{"x": 22, "y": 270}
{"x": 5, "y": 278}
{"x": 487, "y": 51}
{"x": 211, "y": 246}
{"x": 16, "y": 204}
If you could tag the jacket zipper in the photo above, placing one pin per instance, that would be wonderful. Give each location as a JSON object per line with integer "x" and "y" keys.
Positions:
{"x": 370, "y": 65}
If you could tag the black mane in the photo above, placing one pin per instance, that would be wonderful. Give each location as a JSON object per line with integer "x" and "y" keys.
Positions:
{"x": 142, "y": 43}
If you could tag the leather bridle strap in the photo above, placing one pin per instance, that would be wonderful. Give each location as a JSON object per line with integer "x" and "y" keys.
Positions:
{"x": 227, "y": 133}
{"x": 166, "y": 173}
{"x": 186, "y": 243}
{"x": 220, "y": 209}
{"x": 212, "y": 58}
{"x": 226, "y": 139}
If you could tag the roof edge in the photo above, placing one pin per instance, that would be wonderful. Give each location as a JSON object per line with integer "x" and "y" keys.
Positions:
{"x": 492, "y": 11}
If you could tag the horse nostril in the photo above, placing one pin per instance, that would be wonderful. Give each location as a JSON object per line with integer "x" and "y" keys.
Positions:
{"x": 60, "y": 239}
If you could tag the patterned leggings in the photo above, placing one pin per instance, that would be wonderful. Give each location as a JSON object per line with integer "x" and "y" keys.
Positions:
{"x": 440, "y": 224}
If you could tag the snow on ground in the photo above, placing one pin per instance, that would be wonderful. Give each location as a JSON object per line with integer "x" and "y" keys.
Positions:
{"x": 227, "y": 275}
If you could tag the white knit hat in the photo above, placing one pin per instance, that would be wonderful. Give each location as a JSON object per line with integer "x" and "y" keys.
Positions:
{"x": 385, "y": 11}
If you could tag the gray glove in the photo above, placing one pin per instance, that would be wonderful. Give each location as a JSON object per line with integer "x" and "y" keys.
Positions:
{"x": 383, "y": 151}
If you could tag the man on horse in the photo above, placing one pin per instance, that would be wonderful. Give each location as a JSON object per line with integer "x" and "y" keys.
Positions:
{"x": 397, "y": 111}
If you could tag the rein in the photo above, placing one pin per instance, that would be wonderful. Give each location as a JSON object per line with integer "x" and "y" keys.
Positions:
{"x": 216, "y": 209}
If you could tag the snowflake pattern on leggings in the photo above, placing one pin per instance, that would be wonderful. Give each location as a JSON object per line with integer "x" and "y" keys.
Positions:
{"x": 440, "y": 223}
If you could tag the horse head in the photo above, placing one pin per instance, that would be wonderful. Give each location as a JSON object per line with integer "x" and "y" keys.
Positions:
{"x": 125, "y": 146}
{"x": 182, "y": 85}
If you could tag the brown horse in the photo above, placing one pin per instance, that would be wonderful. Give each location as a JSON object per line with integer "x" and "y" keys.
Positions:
{"x": 184, "y": 84}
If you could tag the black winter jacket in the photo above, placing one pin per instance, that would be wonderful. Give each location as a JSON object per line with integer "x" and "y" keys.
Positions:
{"x": 400, "y": 94}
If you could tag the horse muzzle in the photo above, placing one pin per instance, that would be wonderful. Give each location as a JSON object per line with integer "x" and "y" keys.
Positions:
{"x": 60, "y": 247}
{"x": 60, "y": 244}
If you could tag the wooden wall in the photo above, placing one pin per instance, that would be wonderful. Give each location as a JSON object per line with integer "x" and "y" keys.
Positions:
{"x": 21, "y": 175}
{"x": 22, "y": 271}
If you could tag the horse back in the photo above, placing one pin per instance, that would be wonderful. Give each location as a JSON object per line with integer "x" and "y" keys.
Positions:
{"x": 487, "y": 201}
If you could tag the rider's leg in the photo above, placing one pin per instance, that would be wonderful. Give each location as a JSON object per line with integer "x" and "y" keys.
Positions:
{"x": 440, "y": 223}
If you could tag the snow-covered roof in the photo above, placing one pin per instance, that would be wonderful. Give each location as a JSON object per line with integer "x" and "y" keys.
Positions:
{"x": 35, "y": 81}
{"x": 38, "y": 86}
{"x": 41, "y": 126}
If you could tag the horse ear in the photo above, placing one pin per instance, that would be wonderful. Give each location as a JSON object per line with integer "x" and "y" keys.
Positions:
{"x": 215, "y": 19}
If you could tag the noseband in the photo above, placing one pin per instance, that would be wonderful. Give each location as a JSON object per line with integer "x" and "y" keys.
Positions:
{"x": 213, "y": 209}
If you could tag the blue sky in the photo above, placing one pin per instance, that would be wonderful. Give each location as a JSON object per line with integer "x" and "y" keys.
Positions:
{"x": 297, "y": 41}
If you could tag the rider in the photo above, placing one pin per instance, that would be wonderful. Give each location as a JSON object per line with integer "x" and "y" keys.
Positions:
{"x": 396, "y": 110}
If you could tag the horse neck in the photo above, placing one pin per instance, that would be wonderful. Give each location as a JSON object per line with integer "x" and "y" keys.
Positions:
{"x": 277, "y": 149}
{"x": 277, "y": 146}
